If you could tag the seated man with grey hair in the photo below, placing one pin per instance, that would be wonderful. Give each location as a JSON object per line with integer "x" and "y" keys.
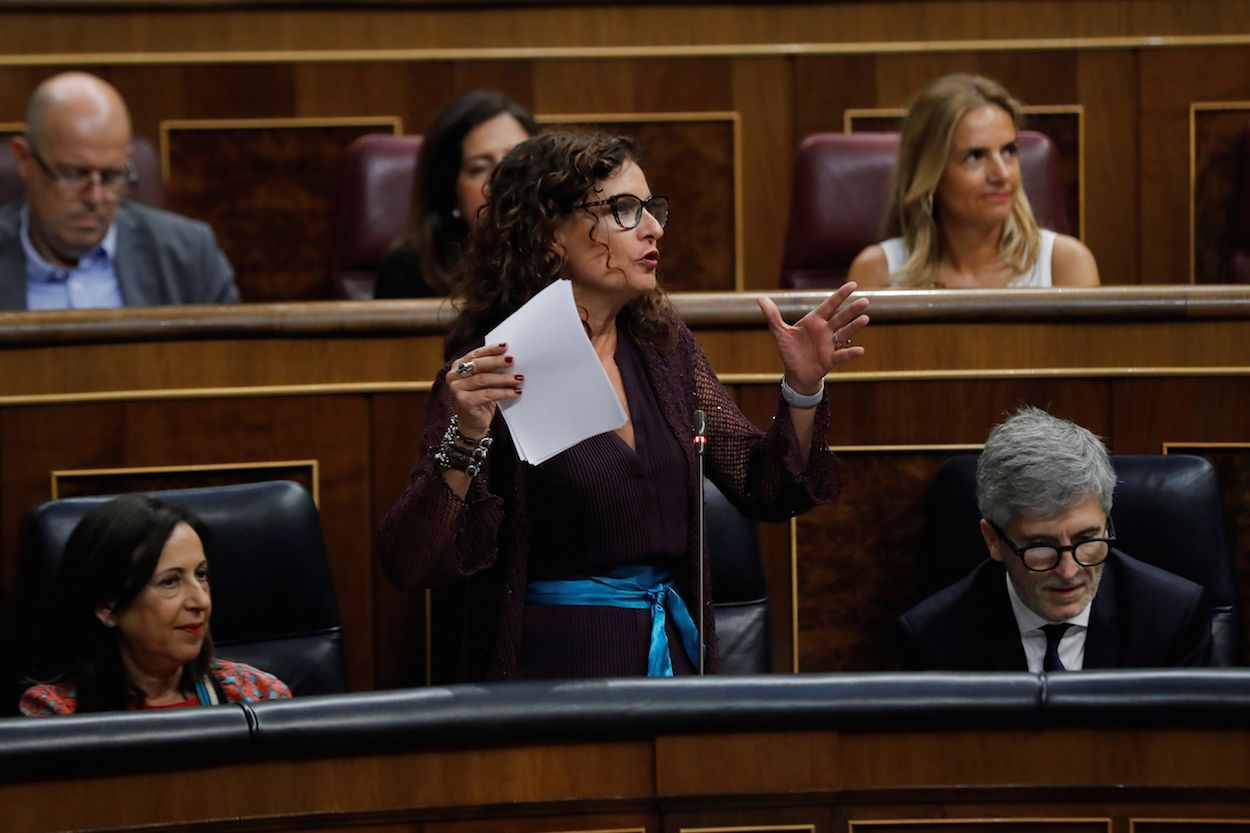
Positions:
{"x": 1055, "y": 595}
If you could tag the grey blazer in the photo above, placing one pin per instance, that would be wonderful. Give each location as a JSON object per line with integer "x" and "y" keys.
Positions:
{"x": 162, "y": 258}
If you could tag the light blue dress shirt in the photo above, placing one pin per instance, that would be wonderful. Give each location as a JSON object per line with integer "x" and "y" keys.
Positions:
{"x": 92, "y": 283}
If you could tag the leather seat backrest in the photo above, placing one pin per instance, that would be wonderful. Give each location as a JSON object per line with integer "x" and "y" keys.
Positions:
{"x": 841, "y": 192}
{"x": 149, "y": 190}
{"x": 274, "y": 604}
{"x": 374, "y": 199}
{"x": 1167, "y": 512}
{"x": 739, "y": 591}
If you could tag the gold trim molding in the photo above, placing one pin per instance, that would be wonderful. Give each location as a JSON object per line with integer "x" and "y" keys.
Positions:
{"x": 1183, "y": 823}
{"x": 1181, "y": 447}
{"x": 754, "y": 828}
{"x": 564, "y": 53}
{"x": 312, "y": 465}
{"x": 866, "y": 824}
{"x": 342, "y": 388}
{"x": 603, "y": 830}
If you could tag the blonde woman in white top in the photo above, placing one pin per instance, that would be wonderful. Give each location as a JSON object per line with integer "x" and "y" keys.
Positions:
{"x": 959, "y": 217}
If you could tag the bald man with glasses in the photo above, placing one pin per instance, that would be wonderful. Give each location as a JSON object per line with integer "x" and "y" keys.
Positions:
{"x": 74, "y": 241}
{"x": 1055, "y": 594}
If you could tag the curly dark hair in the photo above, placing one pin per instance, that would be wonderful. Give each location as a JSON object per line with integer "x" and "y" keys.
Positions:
{"x": 512, "y": 254}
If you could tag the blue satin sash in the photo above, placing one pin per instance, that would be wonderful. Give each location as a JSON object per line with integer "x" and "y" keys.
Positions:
{"x": 636, "y": 587}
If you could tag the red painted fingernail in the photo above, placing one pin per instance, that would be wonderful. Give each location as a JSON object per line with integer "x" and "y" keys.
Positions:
{"x": 518, "y": 391}
{"x": 503, "y": 345}
{"x": 507, "y": 359}
{"x": 520, "y": 377}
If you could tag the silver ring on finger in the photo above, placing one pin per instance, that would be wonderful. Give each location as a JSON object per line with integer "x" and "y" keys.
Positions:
{"x": 465, "y": 369}
{"x": 839, "y": 343}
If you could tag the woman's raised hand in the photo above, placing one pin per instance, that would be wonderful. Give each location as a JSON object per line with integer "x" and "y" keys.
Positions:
{"x": 819, "y": 341}
{"x": 477, "y": 382}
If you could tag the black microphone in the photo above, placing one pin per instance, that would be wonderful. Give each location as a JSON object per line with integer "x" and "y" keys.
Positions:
{"x": 699, "y": 423}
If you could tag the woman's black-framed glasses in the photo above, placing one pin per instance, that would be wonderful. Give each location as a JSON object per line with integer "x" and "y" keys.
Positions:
{"x": 627, "y": 209}
{"x": 1088, "y": 553}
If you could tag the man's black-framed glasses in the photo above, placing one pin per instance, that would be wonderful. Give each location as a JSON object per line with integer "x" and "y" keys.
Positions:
{"x": 72, "y": 179}
{"x": 1039, "y": 558}
{"x": 627, "y": 209}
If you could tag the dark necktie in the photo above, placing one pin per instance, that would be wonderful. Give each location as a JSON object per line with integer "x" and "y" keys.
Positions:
{"x": 1054, "y": 633}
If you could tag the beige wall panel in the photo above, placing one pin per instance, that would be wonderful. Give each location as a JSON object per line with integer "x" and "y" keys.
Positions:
{"x": 762, "y": 96}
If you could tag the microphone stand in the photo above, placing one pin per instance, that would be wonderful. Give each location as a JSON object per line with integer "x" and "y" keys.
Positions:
{"x": 700, "y": 445}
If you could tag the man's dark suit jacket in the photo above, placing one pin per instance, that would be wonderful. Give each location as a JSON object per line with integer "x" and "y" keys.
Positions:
{"x": 162, "y": 258}
{"x": 1141, "y": 617}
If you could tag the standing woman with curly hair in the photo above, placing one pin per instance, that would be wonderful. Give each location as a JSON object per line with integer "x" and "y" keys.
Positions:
{"x": 959, "y": 217}
{"x": 563, "y": 566}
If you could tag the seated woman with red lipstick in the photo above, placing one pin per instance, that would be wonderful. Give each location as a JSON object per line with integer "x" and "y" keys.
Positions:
{"x": 586, "y": 565}
{"x": 958, "y": 216}
{"x": 132, "y": 589}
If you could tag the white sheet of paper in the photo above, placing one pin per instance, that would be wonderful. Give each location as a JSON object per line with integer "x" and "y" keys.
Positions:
{"x": 568, "y": 396}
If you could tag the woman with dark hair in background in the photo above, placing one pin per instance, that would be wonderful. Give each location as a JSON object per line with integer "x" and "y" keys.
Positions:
{"x": 129, "y": 620}
{"x": 581, "y": 566}
{"x": 958, "y": 216}
{"x": 458, "y": 151}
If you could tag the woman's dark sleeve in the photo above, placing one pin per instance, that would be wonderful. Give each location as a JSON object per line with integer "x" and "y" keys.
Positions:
{"x": 761, "y": 472}
{"x": 430, "y": 536}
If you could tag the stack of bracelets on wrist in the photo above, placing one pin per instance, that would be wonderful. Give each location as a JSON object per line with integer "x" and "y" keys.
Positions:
{"x": 450, "y": 455}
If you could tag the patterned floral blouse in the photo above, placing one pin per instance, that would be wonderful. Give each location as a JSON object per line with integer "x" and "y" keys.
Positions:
{"x": 239, "y": 682}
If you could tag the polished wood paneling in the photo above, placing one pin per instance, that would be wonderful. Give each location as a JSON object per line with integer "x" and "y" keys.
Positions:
{"x": 853, "y": 24}
{"x": 864, "y": 551}
{"x": 1218, "y": 175}
{"x": 399, "y": 616}
{"x": 269, "y": 190}
{"x": 974, "y": 825}
{"x": 1170, "y": 82}
{"x": 1033, "y": 780}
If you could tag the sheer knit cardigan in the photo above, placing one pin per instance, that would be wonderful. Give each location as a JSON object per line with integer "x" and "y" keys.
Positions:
{"x": 430, "y": 537}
